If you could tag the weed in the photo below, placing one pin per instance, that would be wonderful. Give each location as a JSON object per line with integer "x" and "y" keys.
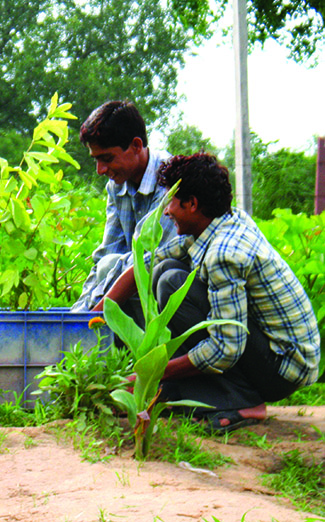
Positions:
{"x": 250, "y": 438}
{"x": 309, "y": 396}
{"x": 3, "y": 437}
{"x": 12, "y": 413}
{"x": 123, "y": 478}
{"x": 29, "y": 442}
{"x": 178, "y": 440}
{"x": 300, "y": 481}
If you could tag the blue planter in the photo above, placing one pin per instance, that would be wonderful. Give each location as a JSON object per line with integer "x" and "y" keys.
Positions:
{"x": 29, "y": 341}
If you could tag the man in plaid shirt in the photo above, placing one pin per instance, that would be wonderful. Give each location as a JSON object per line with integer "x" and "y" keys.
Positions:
{"x": 115, "y": 134}
{"x": 240, "y": 277}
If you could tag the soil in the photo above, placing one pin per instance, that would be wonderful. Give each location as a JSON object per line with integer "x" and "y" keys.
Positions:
{"x": 43, "y": 479}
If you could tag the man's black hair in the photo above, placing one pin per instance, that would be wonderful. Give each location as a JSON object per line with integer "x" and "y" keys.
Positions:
{"x": 203, "y": 177}
{"x": 114, "y": 124}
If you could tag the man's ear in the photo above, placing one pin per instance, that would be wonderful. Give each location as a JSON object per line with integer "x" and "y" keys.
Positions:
{"x": 137, "y": 144}
{"x": 194, "y": 204}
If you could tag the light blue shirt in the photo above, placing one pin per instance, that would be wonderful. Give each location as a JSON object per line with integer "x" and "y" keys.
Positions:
{"x": 126, "y": 211}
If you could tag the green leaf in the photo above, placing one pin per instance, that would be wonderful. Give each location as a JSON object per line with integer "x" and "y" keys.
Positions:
{"x": 27, "y": 179}
{"x": 175, "y": 343}
{"x": 53, "y": 105}
{"x": 23, "y": 300}
{"x": 8, "y": 279}
{"x": 42, "y": 156}
{"x": 126, "y": 400}
{"x": 125, "y": 327}
{"x": 149, "y": 369}
{"x": 19, "y": 214}
{"x": 31, "y": 253}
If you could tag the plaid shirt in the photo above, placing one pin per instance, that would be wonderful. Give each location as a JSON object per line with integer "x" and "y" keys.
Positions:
{"x": 125, "y": 213}
{"x": 245, "y": 277}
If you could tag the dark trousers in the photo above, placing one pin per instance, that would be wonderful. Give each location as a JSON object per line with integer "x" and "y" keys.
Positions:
{"x": 253, "y": 380}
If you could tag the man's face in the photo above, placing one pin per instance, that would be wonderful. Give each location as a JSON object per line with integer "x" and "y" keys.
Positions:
{"x": 117, "y": 164}
{"x": 181, "y": 214}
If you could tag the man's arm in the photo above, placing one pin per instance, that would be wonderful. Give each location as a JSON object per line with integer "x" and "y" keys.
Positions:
{"x": 123, "y": 288}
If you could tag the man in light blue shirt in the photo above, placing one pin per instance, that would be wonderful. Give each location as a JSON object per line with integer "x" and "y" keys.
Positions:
{"x": 115, "y": 134}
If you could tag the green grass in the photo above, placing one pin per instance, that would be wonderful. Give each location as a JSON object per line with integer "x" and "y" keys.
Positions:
{"x": 180, "y": 440}
{"x": 313, "y": 395}
{"x": 300, "y": 479}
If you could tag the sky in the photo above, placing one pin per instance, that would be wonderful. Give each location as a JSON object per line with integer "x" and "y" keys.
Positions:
{"x": 286, "y": 100}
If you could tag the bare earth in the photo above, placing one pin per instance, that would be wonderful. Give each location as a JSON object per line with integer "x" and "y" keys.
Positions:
{"x": 48, "y": 481}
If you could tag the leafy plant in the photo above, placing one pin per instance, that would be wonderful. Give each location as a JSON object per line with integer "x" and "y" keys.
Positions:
{"x": 300, "y": 240}
{"x": 12, "y": 413}
{"x": 84, "y": 381}
{"x": 153, "y": 347}
{"x": 43, "y": 223}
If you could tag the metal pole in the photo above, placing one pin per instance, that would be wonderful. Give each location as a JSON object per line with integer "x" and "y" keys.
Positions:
{"x": 242, "y": 135}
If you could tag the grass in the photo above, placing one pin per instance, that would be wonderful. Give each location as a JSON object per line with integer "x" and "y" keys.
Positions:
{"x": 180, "y": 440}
{"x": 313, "y": 395}
{"x": 301, "y": 480}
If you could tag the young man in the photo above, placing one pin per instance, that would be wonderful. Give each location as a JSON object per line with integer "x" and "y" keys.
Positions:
{"x": 240, "y": 277}
{"x": 115, "y": 134}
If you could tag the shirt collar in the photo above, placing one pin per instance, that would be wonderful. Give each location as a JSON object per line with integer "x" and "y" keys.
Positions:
{"x": 198, "y": 248}
{"x": 148, "y": 182}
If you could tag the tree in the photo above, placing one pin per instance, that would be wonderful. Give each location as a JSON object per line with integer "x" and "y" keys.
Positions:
{"x": 88, "y": 52}
{"x": 188, "y": 139}
{"x": 281, "y": 179}
{"x": 299, "y": 24}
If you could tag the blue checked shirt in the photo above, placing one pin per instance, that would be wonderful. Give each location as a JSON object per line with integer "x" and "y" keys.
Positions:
{"x": 125, "y": 212}
{"x": 245, "y": 277}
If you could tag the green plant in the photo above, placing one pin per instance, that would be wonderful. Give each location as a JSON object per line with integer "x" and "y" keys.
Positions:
{"x": 300, "y": 241}
{"x": 301, "y": 480}
{"x": 250, "y": 438}
{"x": 46, "y": 228}
{"x": 83, "y": 382}
{"x": 12, "y": 413}
{"x": 152, "y": 347}
{"x": 178, "y": 439}
{"x": 3, "y": 437}
{"x": 309, "y": 396}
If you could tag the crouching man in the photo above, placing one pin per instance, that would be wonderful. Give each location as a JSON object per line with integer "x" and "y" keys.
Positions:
{"x": 241, "y": 277}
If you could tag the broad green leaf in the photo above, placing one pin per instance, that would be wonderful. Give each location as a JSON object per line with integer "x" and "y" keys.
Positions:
{"x": 149, "y": 369}
{"x": 23, "y": 300}
{"x": 39, "y": 205}
{"x": 60, "y": 202}
{"x": 31, "y": 253}
{"x": 11, "y": 184}
{"x": 141, "y": 274}
{"x": 53, "y": 105}
{"x": 8, "y": 279}
{"x": 46, "y": 176}
{"x": 42, "y": 156}
{"x": 189, "y": 404}
{"x": 175, "y": 343}
{"x": 123, "y": 325}
{"x": 126, "y": 400}
{"x": 27, "y": 178}
{"x": 19, "y": 214}
{"x": 34, "y": 167}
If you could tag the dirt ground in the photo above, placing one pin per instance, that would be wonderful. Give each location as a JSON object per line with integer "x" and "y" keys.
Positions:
{"x": 45, "y": 480}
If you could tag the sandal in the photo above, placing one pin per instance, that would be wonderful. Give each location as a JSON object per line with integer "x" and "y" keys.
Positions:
{"x": 212, "y": 421}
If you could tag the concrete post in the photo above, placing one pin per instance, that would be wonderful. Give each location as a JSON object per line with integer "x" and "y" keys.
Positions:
{"x": 242, "y": 135}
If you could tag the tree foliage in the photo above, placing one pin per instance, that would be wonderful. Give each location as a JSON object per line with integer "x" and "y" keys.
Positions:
{"x": 281, "y": 179}
{"x": 89, "y": 52}
{"x": 187, "y": 140}
{"x": 299, "y": 24}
